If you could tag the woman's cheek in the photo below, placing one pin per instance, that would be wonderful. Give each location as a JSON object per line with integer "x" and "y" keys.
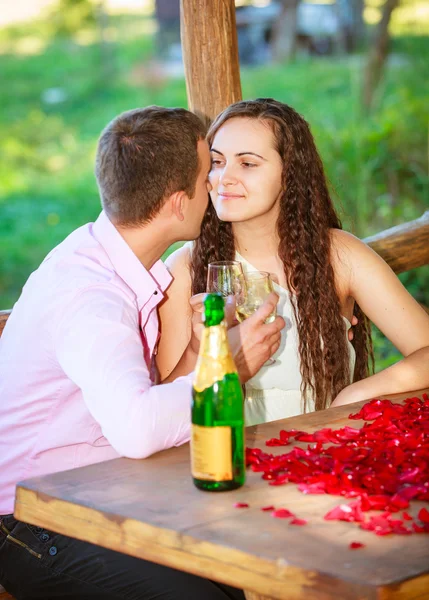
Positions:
{"x": 213, "y": 179}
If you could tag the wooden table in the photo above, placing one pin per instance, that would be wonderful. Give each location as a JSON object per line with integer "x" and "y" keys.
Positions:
{"x": 150, "y": 509}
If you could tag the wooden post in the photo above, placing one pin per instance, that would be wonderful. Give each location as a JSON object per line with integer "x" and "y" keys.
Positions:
{"x": 210, "y": 55}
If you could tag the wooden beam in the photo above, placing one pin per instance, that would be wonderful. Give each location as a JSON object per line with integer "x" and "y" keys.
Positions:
{"x": 4, "y": 315}
{"x": 210, "y": 55}
{"x": 404, "y": 247}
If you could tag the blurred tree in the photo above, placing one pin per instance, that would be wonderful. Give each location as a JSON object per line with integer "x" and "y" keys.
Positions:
{"x": 377, "y": 55}
{"x": 358, "y": 24}
{"x": 284, "y": 37}
{"x": 167, "y": 13}
{"x": 351, "y": 24}
{"x": 70, "y": 16}
{"x": 107, "y": 56}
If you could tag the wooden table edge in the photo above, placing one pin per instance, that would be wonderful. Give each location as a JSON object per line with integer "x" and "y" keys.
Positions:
{"x": 51, "y": 513}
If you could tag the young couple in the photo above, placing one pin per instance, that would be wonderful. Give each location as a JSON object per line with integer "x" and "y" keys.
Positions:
{"x": 80, "y": 343}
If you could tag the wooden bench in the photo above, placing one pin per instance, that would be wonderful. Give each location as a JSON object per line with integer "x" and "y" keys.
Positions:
{"x": 4, "y": 315}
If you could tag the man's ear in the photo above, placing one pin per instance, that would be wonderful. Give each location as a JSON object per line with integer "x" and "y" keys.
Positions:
{"x": 178, "y": 203}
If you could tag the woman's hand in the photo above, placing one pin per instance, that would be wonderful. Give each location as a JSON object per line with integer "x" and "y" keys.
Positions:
{"x": 197, "y": 306}
{"x": 252, "y": 342}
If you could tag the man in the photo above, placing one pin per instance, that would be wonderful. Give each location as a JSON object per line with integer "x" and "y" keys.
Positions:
{"x": 76, "y": 378}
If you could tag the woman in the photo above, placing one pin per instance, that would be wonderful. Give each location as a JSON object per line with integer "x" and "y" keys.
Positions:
{"x": 271, "y": 209}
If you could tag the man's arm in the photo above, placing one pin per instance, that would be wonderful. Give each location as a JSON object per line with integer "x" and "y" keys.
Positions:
{"x": 99, "y": 347}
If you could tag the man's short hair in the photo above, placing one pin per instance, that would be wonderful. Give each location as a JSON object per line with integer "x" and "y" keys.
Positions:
{"x": 143, "y": 156}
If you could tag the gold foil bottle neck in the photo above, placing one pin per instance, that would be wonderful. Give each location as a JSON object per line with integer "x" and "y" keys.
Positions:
{"x": 214, "y": 359}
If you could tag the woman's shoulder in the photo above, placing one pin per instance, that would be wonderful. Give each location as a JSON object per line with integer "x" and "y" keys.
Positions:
{"x": 179, "y": 265}
{"x": 352, "y": 258}
{"x": 180, "y": 259}
{"x": 342, "y": 240}
{"x": 349, "y": 250}
{"x": 345, "y": 251}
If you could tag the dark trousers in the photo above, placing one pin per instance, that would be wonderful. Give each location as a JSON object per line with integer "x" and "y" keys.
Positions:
{"x": 36, "y": 563}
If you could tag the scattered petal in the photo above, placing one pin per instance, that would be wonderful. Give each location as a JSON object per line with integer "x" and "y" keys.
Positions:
{"x": 423, "y": 515}
{"x": 356, "y": 545}
{"x": 381, "y": 466}
{"x": 241, "y": 505}
{"x": 282, "y": 513}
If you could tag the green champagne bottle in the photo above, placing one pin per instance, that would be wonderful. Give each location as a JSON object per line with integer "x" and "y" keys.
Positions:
{"x": 217, "y": 440}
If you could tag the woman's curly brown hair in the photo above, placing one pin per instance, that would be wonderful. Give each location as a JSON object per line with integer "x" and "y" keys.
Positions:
{"x": 306, "y": 217}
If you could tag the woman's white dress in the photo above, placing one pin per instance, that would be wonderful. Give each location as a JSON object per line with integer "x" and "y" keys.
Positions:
{"x": 274, "y": 393}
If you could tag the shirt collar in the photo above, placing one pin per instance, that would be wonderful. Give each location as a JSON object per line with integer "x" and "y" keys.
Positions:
{"x": 144, "y": 283}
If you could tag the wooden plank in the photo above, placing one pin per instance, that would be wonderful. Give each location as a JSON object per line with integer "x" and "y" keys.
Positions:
{"x": 210, "y": 55}
{"x": 150, "y": 509}
{"x": 4, "y": 315}
{"x": 404, "y": 247}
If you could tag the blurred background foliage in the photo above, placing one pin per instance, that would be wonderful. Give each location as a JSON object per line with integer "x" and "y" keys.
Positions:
{"x": 74, "y": 65}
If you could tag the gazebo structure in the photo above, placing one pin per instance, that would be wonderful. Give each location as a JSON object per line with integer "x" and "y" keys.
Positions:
{"x": 210, "y": 55}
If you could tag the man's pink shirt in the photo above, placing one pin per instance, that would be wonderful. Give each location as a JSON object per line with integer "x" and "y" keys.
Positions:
{"x": 75, "y": 363}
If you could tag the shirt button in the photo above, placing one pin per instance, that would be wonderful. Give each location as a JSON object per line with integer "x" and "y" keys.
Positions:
{"x": 44, "y": 537}
{"x": 53, "y": 550}
{"x": 155, "y": 293}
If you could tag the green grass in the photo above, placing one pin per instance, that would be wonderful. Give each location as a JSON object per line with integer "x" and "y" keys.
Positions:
{"x": 377, "y": 163}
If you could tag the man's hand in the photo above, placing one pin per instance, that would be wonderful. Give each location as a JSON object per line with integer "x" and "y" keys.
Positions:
{"x": 350, "y": 333}
{"x": 253, "y": 342}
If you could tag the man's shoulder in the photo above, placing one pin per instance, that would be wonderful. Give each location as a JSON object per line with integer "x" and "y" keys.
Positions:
{"x": 76, "y": 264}
{"x": 79, "y": 260}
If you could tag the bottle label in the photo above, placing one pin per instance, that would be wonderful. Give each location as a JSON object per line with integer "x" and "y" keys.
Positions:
{"x": 211, "y": 453}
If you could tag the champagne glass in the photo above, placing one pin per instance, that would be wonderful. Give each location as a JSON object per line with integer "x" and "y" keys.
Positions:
{"x": 256, "y": 286}
{"x": 225, "y": 277}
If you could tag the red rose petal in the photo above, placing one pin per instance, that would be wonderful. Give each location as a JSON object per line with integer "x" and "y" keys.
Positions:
{"x": 241, "y": 505}
{"x": 282, "y": 513}
{"x": 298, "y": 522}
{"x": 356, "y": 545}
{"x": 344, "y": 512}
{"x": 423, "y": 515}
{"x": 381, "y": 466}
{"x": 268, "y": 508}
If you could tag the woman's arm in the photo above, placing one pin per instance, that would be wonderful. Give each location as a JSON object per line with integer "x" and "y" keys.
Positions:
{"x": 175, "y": 314}
{"x": 393, "y": 310}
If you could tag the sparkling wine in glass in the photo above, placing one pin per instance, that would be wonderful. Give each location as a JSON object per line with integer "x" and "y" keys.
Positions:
{"x": 256, "y": 286}
{"x": 225, "y": 278}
